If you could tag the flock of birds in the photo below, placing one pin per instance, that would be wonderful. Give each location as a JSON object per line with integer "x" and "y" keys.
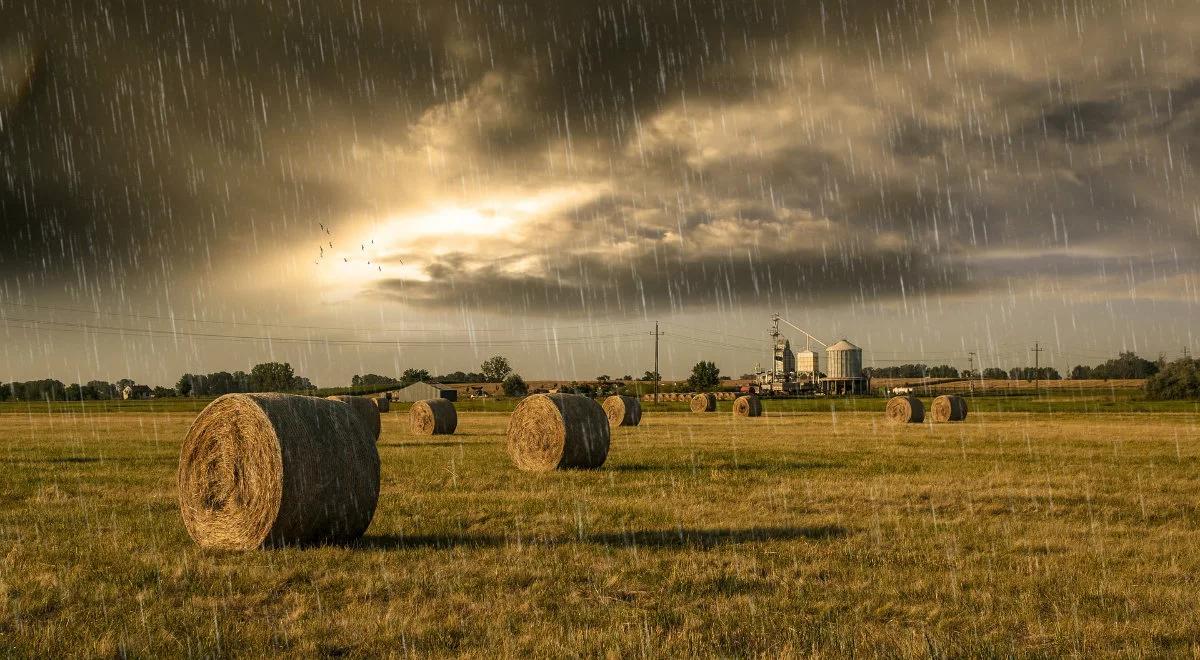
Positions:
{"x": 329, "y": 235}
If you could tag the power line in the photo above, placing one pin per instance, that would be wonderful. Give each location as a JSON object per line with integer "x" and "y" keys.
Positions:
{"x": 1037, "y": 366}
{"x": 657, "y": 374}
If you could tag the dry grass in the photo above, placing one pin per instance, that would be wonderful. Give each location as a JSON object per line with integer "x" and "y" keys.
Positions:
{"x": 1027, "y": 535}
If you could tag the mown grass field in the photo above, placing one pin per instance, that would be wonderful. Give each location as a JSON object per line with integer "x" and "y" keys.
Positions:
{"x": 1049, "y": 400}
{"x": 824, "y": 533}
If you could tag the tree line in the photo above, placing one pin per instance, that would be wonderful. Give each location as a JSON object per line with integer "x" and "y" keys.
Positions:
{"x": 55, "y": 390}
{"x": 264, "y": 377}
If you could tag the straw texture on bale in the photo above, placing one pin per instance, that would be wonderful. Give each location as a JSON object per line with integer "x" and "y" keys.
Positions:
{"x": 261, "y": 470}
{"x": 366, "y": 410}
{"x": 623, "y": 410}
{"x": 382, "y": 403}
{"x": 905, "y": 410}
{"x": 948, "y": 408}
{"x": 557, "y": 432}
{"x": 433, "y": 417}
{"x": 747, "y": 406}
{"x": 706, "y": 402}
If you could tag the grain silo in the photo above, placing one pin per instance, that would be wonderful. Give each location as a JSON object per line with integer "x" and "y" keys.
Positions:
{"x": 808, "y": 362}
{"x": 844, "y": 370}
{"x": 785, "y": 360}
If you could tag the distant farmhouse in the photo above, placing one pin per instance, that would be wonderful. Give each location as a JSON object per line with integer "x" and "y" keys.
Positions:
{"x": 136, "y": 392}
{"x": 423, "y": 391}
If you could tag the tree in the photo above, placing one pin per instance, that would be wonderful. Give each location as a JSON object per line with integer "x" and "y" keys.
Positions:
{"x": 241, "y": 381}
{"x": 1080, "y": 372}
{"x": 650, "y": 377}
{"x": 626, "y": 377}
{"x": 375, "y": 380}
{"x": 580, "y": 388}
{"x": 514, "y": 385}
{"x": 40, "y": 390}
{"x": 184, "y": 386}
{"x": 1030, "y": 373}
{"x": 495, "y": 369}
{"x": 163, "y": 392}
{"x": 302, "y": 384}
{"x": 272, "y": 377}
{"x": 603, "y": 379}
{"x": 411, "y": 376}
{"x": 103, "y": 389}
{"x": 220, "y": 382}
{"x": 1177, "y": 380}
{"x": 1127, "y": 365}
{"x": 995, "y": 373}
{"x": 705, "y": 376}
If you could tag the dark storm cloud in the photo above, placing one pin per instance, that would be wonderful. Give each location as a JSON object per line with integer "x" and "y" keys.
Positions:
{"x": 670, "y": 281}
{"x": 181, "y": 115}
{"x": 168, "y": 138}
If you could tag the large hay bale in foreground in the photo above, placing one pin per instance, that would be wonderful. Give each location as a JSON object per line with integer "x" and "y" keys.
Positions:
{"x": 557, "y": 432}
{"x": 623, "y": 410}
{"x": 276, "y": 469}
{"x": 704, "y": 402}
{"x": 366, "y": 410}
{"x": 948, "y": 408}
{"x": 747, "y": 406}
{"x": 433, "y": 417}
{"x": 383, "y": 403}
{"x": 905, "y": 410}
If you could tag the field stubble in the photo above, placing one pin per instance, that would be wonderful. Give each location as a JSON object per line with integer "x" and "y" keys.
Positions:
{"x": 1025, "y": 534}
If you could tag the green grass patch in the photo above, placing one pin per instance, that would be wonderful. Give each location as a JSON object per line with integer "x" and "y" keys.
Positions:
{"x": 797, "y": 533}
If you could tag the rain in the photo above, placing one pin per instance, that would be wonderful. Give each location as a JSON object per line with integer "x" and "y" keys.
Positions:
{"x": 937, "y": 263}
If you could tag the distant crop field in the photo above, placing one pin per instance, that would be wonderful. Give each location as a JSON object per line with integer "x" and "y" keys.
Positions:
{"x": 790, "y": 534}
{"x": 960, "y": 386}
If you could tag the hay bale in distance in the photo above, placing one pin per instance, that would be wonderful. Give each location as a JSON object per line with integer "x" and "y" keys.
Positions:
{"x": 433, "y": 417}
{"x": 948, "y": 408}
{"x": 905, "y": 410}
{"x": 382, "y": 403}
{"x": 365, "y": 408}
{"x": 260, "y": 470}
{"x": 557, "y": 432}
{"x": 704, "y": 402}
{"x": 623, "y": 410}
{"x": 747, "y": 406}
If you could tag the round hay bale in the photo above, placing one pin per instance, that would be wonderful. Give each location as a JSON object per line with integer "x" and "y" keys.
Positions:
{"x": 382, "y": 403}
{"x": 747, "y": 406}
{"x": 623, "y": 410}
{"x": 905, "y": 410}
{"x": 704, "y": 402}
{"x": 557, "y": 432}
{"x": 948, "y": 408}
{"x": 365, "y": 408}
{"x": 260, "y": 470}
{"x": 433, "y": 417}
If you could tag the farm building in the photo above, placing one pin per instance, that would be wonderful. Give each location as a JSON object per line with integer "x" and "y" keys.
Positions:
{"x": 136, "y": 392}
{"x": 423, "y": 391}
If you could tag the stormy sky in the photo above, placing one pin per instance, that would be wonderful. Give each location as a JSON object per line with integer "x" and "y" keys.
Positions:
{"x": 361, "y": 186}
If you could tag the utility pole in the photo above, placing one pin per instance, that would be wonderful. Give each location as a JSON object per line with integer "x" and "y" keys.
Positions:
{"x": 656, "y": 334}
{"x": 971, "y": 369}
{"x": 1037, "y": 365}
